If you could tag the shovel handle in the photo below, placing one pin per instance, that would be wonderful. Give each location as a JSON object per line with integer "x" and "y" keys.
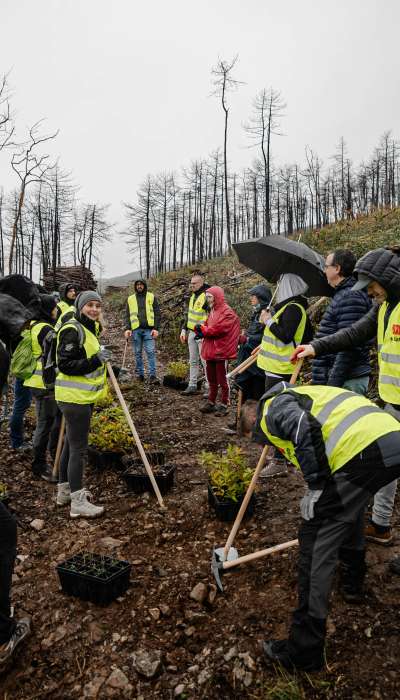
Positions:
{"x": 258, "y": 555}
{"x": 59, "y": 447}
{"x": 245, "y": 364}
{"x": 125, "y": 349}
{"x": 135, "y": 434}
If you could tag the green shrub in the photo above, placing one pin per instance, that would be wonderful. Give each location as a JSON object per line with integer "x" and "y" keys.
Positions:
{"x": 229, "y": 474}
{"x": 110, "y": 432}
{"x": 177, "y": 369}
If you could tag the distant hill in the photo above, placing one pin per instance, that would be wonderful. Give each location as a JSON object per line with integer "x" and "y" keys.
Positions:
{"x": 120, "y": 281}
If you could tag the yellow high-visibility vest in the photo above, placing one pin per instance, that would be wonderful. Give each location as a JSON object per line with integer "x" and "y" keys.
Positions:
{"x": 35, "y": 381}
{"x": 63, "y": 306}
{"x": 65, "y": 316}
{"x": 86, "y": 388}
{"x": 196, "y": 314}
{"x": 274, "y": 355}
{"x": 133, "y": 310}
{"x": 389, "y": 354}
{"x": 349, "y": 423}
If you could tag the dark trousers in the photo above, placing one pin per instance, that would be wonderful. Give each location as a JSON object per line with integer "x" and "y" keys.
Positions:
{"x": 8, "y": 547}
{"x": 22, "y": 401}
{"x": 46, "y": 411}
{"x": 73, "y": 457}
{"x": 335, "y": 533}
{"x": 216, "y": 377}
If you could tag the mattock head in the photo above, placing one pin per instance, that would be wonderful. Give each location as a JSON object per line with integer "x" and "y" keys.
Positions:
{"x": 217, "y": 570}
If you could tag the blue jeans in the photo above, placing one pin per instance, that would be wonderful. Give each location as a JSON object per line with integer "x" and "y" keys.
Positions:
{"x": 22, "y": 401}
{"x": 142, "y": 338}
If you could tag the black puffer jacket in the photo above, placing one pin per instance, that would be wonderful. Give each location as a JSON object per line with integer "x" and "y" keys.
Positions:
{"x": 383, "y": 266}
{"x": 346, "y": 308}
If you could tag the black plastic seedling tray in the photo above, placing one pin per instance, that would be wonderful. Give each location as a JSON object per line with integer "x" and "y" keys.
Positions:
{"x": 94, "y": 577}
{"x": 228, "y": 510}
{"x": 105, "y": 460}
{"x": 137, "y": 480}
{"x": 174, "y": 383}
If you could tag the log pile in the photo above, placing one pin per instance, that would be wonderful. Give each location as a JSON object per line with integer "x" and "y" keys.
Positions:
{"x": 79, "y": 275}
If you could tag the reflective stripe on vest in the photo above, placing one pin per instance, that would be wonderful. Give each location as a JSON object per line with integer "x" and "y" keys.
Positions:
{"x": 349, "y": 423}
{"x": 87, "y": 388}
{"x": 70, "y": 312}
{"x": 133, "y": 310}
{"x": 63, "y": 306}
{"x": 196, "y": 314}
{"x": 274, "y": 355}
{"x": 35, "y": 381}
{"x": 389, "y": 354}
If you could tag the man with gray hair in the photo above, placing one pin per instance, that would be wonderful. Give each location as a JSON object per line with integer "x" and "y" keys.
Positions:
{"x": 197, "y": 315}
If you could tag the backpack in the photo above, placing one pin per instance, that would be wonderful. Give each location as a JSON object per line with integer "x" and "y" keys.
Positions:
{"x": 23, "y": 362}
{"x": 49, "y": 356}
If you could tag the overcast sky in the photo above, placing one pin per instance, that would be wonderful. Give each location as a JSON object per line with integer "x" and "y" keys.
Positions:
{"x": 128, "y": 82}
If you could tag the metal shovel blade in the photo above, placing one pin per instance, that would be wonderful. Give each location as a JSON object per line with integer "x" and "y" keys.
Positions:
{"x": 217, "y": 563}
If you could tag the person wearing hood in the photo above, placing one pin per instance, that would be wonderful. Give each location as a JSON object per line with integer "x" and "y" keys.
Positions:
{"x": 42, "y": 331}
{"x": 142, "y": 324}
{"x": 378, "y": 271}
{"x": 346, "y": 449}
{"x": 285, "y": 328}
{"x": 68, "y": 293}
{"x": 80, "y": 382}
{"x": 196, "y": 315}
{"x": 220, "y": 334}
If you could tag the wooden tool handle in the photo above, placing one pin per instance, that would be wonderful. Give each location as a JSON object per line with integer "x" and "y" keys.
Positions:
{"x": 125, "y": 349}
{"x": 296, "y": 371}
{"x": 245, "y": 502}
{"x": 135, "y": 434}
{"x": 246, "y": 363}
{"x": 59, "y": 447}
{"x": 258, "y": 555}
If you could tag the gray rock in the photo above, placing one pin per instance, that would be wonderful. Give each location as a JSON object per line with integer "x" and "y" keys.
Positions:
{"x": 199, "y": 593}
{"x": 37, "y": 524}
{"x": 110, "y": 542}
{"x": 179, "y": 690}
{"x": 147, "y": 662}
{"x": 117, "y": 685}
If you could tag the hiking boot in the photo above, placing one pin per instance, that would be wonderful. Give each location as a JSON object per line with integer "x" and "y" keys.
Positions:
{"x": 154, "y": 380}
{"x": 190, "y": 390}
{"x": 221, "y": 410}
{"x": 378, "y": 534}
{"x": 63, "y": 494}
{"x": 46, "y": 473}
{"x": 394, "y": 566}
{"x": 208, "y": 407}
{"x": 22, "y": 629}
{"x": 276, "y": 467}
{"x": 276, "y": 650}
{"x": 24, "y": 447}
{"x": 81, "y": 507}
{"x": 139, "y": 378}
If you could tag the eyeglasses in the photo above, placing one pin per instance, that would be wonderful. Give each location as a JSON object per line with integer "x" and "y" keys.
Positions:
{"x": 329, "y": 265}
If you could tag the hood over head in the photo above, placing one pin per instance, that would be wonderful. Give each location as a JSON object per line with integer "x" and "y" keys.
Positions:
{"x": 381, "y": 265}
{"x": 218, "y": 294}
{"x": 47, "y": 304}
{"x": 289, "y": 285}
{"x": 262, "y": 292}
{"x": 144, "y": 283}
{"x": 64, "y": 288}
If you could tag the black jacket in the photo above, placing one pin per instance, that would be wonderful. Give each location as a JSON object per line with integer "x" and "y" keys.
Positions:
{"x": 383, "y": 266}
{"x": 71, "y": 355}
{"x": 289, "y": 418}
{"x": 345, "y": 309}
{"x": 141, "y": 302}
{"x": 285, "y": 328}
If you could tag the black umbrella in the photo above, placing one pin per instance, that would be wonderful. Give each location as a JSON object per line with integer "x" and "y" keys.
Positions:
{"x": 273, "y": 256}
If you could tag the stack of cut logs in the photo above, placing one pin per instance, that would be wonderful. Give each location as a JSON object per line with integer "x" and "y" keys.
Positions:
{"x": 81, "y": 276}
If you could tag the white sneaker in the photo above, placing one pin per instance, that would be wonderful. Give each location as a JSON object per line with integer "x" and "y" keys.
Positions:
{"x": 63, "y": 494}
{"x": 82, "y": 508}
{"x": 274, "y": 468}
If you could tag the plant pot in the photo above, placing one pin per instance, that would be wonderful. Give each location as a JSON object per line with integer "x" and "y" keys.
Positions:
{"x": 174, "y": 382}
{"x": 156, "y": 458}
{"x": 105, "y": 459}
{"x": 79, "y": 578}
{"x": 227, "y": 510}
{"x": 138, "y": 481}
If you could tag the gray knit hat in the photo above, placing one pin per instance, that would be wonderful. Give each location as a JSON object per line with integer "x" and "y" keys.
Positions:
{"x": 84, "y": 298}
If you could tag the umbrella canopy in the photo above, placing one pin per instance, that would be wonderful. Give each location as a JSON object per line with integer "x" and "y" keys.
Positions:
{"x": 273, "y": 256}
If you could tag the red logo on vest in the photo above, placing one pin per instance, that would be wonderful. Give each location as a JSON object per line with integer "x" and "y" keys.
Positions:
{"x": 396, "y": 329}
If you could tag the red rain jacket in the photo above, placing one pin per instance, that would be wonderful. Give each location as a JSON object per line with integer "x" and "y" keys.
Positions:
{"x": 221, "y": 331}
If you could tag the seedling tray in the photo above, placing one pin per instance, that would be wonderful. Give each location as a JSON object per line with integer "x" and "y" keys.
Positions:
{"x": 94, "y": 577}
{"x": 137, "y": 480}
{"x": 105, "y": 459}
{"x": 156, "y": 458}
{"x": 228, "y": 510}
{"x": 174, "y": 383}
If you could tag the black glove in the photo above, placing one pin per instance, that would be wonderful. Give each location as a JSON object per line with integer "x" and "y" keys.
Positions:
{"x": 198, "y": 331}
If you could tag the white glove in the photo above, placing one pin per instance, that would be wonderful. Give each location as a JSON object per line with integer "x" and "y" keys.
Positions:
{"x": 308, "y": 502}
{"x": 182, "y": 336}
{"x": 104, "y": 355}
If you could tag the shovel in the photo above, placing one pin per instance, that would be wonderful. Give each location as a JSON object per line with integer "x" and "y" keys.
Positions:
{"x": 227, "y": 554}
{"x": 59, "y": 447}
{"x": 135, "y": 435}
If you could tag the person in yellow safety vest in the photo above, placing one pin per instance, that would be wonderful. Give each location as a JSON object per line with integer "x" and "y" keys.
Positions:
{"x": 285, "y": 328}
{"x": 379, "y": 273}
{"x": 347, "y": 449}
{"x": 46, "y": 407}
{"x": 197, "y": 314}
{"x": 142, "y": 325}
{"x": 81, "y": 382}
{"x": 68, "y": 292}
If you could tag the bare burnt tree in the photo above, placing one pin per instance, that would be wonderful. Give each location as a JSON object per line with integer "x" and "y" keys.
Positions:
{"x": 30, "y": 166}
{"x": 223, "y": 83}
